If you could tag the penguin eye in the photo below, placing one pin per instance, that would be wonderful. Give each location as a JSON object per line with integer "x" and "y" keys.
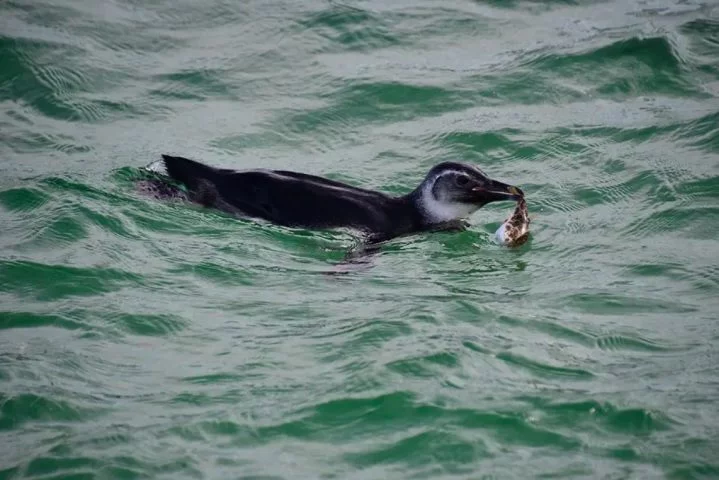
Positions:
{"x": 462, "y": 180}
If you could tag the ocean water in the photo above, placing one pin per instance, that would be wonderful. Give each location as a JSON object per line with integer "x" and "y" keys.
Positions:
{"x": 146, "y": 339}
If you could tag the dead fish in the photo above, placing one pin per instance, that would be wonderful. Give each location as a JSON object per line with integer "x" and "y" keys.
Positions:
{"x": 515, "y": 230}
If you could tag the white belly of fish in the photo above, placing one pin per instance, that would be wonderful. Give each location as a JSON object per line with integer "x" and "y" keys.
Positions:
{"x": 515, "y": 230}
{"x": 501, "y": 234}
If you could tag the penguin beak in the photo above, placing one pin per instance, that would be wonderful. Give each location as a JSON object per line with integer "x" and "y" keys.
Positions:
{"x": 495, "y": 191}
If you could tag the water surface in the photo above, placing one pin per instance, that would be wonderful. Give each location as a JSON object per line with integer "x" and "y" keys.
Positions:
{"x": 142, "y": 339}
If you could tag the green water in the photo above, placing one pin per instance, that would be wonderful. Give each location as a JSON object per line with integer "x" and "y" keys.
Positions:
{"x": 141, "y": 339}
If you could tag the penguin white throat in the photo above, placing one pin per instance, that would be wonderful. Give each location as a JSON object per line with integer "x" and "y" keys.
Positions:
{"x": 435, "y": 210}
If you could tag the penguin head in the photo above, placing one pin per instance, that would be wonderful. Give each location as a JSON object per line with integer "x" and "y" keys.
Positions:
{"x": 452, "y": 191}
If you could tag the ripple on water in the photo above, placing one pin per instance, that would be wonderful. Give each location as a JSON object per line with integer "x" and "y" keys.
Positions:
{"x": 77, "y": 467}
{"x": 634, "y": 342}
{"x": 18, "y": 319}
{"x": 61, "y": 281}
{"x": 59, "y": 226}
{"x": 703, "y": 36}
{"x": 43, "y": 85}
{"x": 23, "y": 140}
{"x": 213, "y": 14}
{"x": 631, "y": 66}
{"x": 357, "y": 104}
{"x": 37, "y": 75}
{"x": 615, "y": 304}
{"x": 23, "y": 199}
{"x": 543, "y": 369}
{"x": 344, "y": 27}
{"x": 374, "y": 333}
{"x": 451, "y": 452}
{"x": 163, "y": 325}
{"x": 607, "y": 190}
{"x": 702, "y": 133}
{"x": 424, "y": 366}
{"x": 225, "y": 274}
{"x": 20, "y": 409}
{"x": 604, "y": 415}
{"x": 700, "y": 222}
{"x": 700, "y": 188}
{"x": 499, "y": 143}
{"x": 552, "y": 327}
{"x": 92, "y": 452}
{"x": 196, "y": 85}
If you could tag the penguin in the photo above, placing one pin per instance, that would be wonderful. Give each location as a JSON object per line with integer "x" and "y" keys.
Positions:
{"x": 449, "y": 193}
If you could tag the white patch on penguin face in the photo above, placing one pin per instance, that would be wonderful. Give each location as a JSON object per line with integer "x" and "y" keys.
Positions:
{"x": 438, "y": 210}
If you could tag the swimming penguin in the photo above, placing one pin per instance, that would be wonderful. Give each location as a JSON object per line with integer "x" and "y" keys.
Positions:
{"x": 449, "y": 193}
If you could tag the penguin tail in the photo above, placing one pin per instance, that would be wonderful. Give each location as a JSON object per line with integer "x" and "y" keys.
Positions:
{"x": 184, "y": 171}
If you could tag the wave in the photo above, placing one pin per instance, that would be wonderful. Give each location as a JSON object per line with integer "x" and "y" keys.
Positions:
{"x": 634, "y": 66}
{"x": 346, "y": 28}
{"x": 656, "y": 53}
